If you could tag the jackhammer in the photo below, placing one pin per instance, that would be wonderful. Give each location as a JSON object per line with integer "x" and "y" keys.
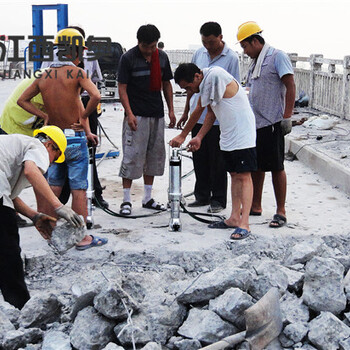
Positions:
{"x": 174, "y": 192}
{"x": 90, "y": 190}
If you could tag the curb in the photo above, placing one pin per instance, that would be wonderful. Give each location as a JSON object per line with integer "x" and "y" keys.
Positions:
{"x": 328, "y": 168}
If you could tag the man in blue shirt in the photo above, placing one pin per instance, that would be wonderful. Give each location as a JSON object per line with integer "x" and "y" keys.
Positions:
{"x": 271, "y": 86}
{"x": 211, "y": 177}
{"x": 143, "y": 72}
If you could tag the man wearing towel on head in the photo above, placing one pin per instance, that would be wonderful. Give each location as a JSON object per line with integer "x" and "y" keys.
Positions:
{"x": 271, "y": 86}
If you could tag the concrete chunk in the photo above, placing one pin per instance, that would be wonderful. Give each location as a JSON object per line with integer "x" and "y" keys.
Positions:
{"x": 323, "y": 289}
{"x": 65, "y": 236}
{"x": 41, "y": 309}
{"x": 206, "y": 326}
{"x": 327, "y": 331}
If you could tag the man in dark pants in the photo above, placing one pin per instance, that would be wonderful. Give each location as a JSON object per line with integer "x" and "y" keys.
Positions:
{"x": 211, "y": 177}
{"x": 25, "y": 165}
{"x": 96, "y": 181}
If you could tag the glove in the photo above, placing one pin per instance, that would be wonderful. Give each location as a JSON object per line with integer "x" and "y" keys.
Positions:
{"x": 42, "y": 222}
{"x": 70, "y": 215}
{"x": 286, "y": 125}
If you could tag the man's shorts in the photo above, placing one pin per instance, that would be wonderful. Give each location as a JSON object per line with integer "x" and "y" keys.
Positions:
{"x": 143, "y": 149}
{"x": 75, "y": 166}
{"x": 270, "y": 148}
{"x": 240, "y": 161}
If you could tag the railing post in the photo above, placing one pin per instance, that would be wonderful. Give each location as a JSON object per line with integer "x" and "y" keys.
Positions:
{"x": 346, "y": 87}
{"x": 294, "y": 59}
{"x": 315, "y": 66}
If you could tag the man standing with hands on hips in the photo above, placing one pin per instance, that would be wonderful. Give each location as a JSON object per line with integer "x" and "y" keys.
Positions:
{"x": 270, "y": 80}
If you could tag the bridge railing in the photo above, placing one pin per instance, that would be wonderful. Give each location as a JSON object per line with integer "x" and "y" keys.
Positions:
{"x": 325, "y": 81}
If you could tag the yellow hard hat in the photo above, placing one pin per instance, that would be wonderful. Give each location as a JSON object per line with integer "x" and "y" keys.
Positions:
{"x": 247, "y": 29}
{"x": 67, "y": 35}
{"x": 57, "y": 136}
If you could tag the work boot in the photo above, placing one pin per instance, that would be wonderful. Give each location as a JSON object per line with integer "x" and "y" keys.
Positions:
{"x": 100, "y": 202}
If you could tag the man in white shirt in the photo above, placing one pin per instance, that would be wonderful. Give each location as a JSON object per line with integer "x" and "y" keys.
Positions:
{"x": 23, "y": 166}
{"x": 226, "y": 100}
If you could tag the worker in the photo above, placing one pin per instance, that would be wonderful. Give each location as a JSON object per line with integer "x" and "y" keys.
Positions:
{"x": 211, "y": 177}
{"x": 61, "y": 96}
{"x": 92, "y": 68}
{"x": 226, "y": 100}
{"x": 15, "y": 120}
{"x": 270, "y": 80}
{"x": 25, "y": 165}
{"x": 143, "y": 72}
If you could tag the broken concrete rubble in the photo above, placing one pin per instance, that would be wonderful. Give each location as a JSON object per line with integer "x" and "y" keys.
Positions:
{"x": 166, "y": 307}
{"x": 65, "y": 236}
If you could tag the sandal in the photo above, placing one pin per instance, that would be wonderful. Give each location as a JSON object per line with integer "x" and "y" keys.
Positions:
{"x": 125, "y": 208}
{"x": 241, "y": 233}
{"x": 152, "y": 204}
{"x": 278, "y": 221}
{"x": 220, "y": 224}
{"x": 96, "y": 242}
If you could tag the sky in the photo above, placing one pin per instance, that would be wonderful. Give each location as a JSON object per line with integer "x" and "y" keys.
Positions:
{"x": 299, "y": 26}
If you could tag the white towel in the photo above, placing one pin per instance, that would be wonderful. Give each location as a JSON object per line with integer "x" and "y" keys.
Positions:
{"x": 56, "y": 63}
{"x": 258, "y": 62}
{"x": 213, "y": 85}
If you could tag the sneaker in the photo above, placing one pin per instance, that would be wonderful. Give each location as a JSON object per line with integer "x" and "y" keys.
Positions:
{"x": 215, "y": 208}
{"x": 100, "y": 202}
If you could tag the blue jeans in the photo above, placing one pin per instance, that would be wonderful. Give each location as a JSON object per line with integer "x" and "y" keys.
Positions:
{"x": 75, "y": 166}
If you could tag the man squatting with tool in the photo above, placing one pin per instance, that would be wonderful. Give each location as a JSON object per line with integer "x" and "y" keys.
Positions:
{"x": 24, "y": 160}
{"x": 61, "y": 96}
{"x": 143, "y": 72}
{"x": 227, "y": 101}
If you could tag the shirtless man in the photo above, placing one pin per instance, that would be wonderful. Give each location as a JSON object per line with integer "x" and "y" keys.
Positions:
{"x": 60, "y": 87}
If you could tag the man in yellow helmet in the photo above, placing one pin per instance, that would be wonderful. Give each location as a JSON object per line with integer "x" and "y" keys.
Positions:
{"x": 61, "y": 96}
{"x": 22, "y": 166}
{"x": 270, "y": 80}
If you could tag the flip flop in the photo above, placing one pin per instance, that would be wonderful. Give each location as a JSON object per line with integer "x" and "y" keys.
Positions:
{"x": 220, "y": 225}
{"x": 152, "y": 204}
{"x": 96, "y": 242}
{"x": 242, "y": 232}
{"x": 278, "y": 221}
{"x": 125, "y": 208}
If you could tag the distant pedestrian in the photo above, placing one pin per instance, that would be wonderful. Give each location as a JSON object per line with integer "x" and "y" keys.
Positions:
{"x": 270, "y": 81}
{"x": 160, "y": 45}
{"x": 211, "y": 177}
{"x": 143, "y": 72}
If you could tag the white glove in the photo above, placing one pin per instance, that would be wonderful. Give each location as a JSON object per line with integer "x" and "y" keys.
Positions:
{"x": 286, "y": 125}
{"x": 70, "y": 215}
